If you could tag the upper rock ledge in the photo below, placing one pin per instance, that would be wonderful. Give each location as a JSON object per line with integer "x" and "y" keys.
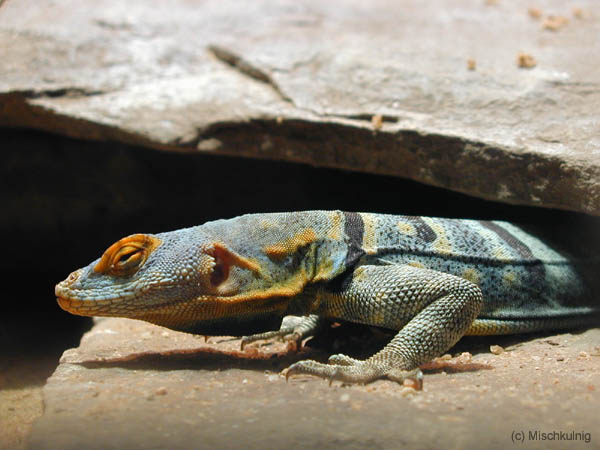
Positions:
{"x": 376, "y": 86}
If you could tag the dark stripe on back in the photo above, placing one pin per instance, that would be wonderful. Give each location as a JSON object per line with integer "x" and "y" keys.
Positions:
{"x": 514, "y": 243}
{"x": 354, "y": 228}
{"x": 537, "y": 268}
{"x": 423, "y": 230}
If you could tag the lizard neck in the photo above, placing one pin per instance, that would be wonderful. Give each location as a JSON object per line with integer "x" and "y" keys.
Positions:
{"x": 219, "y": 317}
{"x": 233, "y": 326}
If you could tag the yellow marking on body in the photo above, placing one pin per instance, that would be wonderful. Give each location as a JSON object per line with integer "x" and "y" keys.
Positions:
{"x": 473, "y": 275}
{"x": 335, "y": 231}
{"x": 324, "y": 269}
{"x": 290, "y": 245}
{"x": 500, "y": 253}
{"x": 490, "y": 328}
{"x": 369, "y": 237}
{"x": 441, "y": 244}
{"x": 509, "y": 278}
{"x": 265, "y": 224}
{"x": 416, "y": 264}
{"x": 407, "y": 228}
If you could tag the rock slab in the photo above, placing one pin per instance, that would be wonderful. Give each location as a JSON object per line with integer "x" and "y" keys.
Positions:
{"x": 424, "y": 91}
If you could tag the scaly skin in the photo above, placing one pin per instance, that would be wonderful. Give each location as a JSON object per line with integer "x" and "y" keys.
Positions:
{"x": 433, "y": 280}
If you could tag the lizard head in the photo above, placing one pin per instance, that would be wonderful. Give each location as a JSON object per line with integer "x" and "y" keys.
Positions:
{"x": 109, "y": 284}
{"x": 172, "y": 279}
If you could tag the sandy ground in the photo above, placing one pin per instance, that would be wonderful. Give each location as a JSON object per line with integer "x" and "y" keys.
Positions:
{"x": 29, "y": 354}
{"x": 134, "y": 385}
{"x": 22, "y": 378}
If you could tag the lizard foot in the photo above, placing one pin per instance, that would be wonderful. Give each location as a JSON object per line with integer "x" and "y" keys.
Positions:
{"x": 349, "y": 370}
{"x": 293, "y": 329}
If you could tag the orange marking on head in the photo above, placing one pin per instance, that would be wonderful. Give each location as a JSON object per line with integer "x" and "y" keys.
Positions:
{"x": 290, "y": 245}
{"x": 127, "y": 255}
{"x": 231, "y": 258}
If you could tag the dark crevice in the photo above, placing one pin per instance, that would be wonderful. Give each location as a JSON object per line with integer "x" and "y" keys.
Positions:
{"x": 446, "y": 161}
{"x": 367, "y": 117}
{"x": 60, "y": 92}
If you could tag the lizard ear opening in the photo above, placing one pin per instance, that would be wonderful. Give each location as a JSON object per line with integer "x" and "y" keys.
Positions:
{"x": 220, "y": 271}
{"x": 224, "y": 260}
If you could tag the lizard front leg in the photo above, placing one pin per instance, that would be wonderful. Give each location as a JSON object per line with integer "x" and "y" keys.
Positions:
{"x": 293, "y": 329}
{"x": 432, "y": 310}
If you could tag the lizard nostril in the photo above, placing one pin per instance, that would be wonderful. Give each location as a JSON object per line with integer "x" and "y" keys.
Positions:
{"x": 73, "y": 276}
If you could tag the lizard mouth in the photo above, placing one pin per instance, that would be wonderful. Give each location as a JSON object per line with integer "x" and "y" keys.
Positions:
{"x": 69, "y": 304}
{"x": 89, "y": 308}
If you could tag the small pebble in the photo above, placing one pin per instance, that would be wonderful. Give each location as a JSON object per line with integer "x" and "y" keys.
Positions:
{"x": 534, "y": 13}
{"x": 161, "y": 391}
{"x": 377, "y": 122}
{"x": 525, "y": 60}
{"x": 496, "y": 349}
{"x": 465, "y": 357}
{"x": 554, "y": 23}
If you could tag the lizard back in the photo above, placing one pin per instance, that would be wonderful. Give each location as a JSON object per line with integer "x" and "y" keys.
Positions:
{"x": 522, "y": 272}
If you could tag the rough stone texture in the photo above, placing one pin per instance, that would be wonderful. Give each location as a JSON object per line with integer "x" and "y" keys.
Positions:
{"x": 135, "y": 385}
{"x": 301, "y": 81}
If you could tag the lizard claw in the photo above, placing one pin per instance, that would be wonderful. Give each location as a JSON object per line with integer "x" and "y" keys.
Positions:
{"x": 282, "y": 335}
{"x": 400, "y": 375}
{"x": 331, "y": 378}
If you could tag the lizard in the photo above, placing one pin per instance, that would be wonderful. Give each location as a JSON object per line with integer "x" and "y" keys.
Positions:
{"x": 430, "y": 280}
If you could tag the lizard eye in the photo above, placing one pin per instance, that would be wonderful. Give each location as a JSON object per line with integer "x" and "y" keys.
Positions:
{"x": 126, "y": 256}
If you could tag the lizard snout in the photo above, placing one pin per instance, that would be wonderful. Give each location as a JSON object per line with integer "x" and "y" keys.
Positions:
{"x": 60, "y": 288}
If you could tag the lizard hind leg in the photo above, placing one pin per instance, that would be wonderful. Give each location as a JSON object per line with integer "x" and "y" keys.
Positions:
{"x": 434, "y": 308}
